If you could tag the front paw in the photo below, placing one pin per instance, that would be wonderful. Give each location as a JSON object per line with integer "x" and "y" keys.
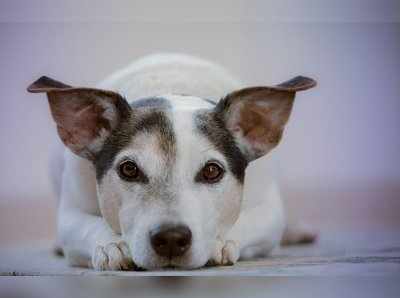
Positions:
{"x": 225, "y": 253}
{"x": 113, "y": 256}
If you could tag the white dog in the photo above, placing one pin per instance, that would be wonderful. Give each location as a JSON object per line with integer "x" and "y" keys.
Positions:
{"x": 156, "y": 164}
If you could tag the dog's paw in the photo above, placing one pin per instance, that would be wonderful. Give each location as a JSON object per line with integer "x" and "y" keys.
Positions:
{"x": 225, "y": 253}
{"x": 113, "y": 256}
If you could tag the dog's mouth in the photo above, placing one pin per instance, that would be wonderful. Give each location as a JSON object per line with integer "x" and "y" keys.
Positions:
{"x": 184, "y": 262}
{"x": 172, "y": 264}
{"x": 168, "y": 246}
{"x": 171, "y": 245}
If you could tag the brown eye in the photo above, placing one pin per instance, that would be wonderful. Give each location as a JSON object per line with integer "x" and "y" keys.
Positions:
{"x": 128, "y": 170}
{"x": 212, "y": 172}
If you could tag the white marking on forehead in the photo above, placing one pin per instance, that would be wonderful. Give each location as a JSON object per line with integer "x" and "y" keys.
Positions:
{"x": 193, "y": 149}
{"x": 185, "y": 102}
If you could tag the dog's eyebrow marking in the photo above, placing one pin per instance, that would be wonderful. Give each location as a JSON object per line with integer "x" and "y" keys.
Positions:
{"x": 157, "y": 122}
{"x": 153, "y": 121}
{"x": 211, "y": 125}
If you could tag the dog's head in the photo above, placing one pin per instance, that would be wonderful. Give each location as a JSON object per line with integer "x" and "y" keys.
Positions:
{"x": 170, "y": 169}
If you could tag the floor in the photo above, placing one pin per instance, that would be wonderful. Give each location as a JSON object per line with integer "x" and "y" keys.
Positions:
{"x": 337, "y": 253}
{"x": 359, "y": 235}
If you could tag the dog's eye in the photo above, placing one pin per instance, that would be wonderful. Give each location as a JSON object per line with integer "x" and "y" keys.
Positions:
{"x": 212, "y": 172}
{"x": 128, "y": 170}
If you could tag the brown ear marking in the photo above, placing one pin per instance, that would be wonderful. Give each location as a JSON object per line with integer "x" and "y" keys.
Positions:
{"x": 46, "y": 84}
{"x": 85, "y": 117}
{"x": 256, "y": 116}
{"x": 298, "y": 83}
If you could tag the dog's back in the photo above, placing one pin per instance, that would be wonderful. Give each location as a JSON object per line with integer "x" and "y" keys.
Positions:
{"x": 161, "y": 74}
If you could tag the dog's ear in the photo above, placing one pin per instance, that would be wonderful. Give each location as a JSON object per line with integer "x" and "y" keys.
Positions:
{"x": 85, "y": 117}
{"x": 256, "y": 116}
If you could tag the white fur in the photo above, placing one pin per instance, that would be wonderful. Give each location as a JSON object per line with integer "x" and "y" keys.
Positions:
{"x": 89, "y": 236}
{"x": 171, "y": 74}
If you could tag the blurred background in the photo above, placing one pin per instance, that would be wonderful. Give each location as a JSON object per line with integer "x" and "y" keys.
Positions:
{"x": 339, "y": 160}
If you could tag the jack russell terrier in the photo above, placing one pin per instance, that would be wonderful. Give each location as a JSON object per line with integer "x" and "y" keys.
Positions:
{"x": 154, "y": 171}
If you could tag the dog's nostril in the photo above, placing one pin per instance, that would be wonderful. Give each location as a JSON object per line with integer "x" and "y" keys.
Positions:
{"x": 171, "y": 241}
{"x": 159, "y": 241}
{"x": 182, "y": 242}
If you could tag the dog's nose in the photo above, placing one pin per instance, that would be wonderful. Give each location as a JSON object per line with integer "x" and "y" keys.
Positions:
{"x": 171, "y": 241}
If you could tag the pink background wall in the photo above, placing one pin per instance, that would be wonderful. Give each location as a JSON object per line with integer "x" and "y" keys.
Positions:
{"x": 343, "y": 136}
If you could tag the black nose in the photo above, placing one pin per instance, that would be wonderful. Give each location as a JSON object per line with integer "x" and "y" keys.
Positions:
{"x": 171, "y": 241}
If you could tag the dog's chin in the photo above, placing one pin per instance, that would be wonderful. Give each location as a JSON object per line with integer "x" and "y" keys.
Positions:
{"x": 170, "y": 264}
{"x": 146, "y": 258}
{"x": 158, "y": 263}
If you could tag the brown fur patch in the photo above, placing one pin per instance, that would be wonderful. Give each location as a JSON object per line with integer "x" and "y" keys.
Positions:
{"x": 79, "y": 113}
{"x": 260, "y": 124}
{"x": 259, "y": 114}
{"x": 45, "y": 84}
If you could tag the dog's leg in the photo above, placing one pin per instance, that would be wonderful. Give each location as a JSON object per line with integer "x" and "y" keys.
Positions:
{"x": 257, "y": 231}
{"x": 85, "y": 237}
{"x": 88, "y": 241}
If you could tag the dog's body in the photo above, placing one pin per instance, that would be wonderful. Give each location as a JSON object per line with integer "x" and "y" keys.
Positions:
{"x": 172, "y": 128}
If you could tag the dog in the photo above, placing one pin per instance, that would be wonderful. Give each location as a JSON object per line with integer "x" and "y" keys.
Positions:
{"x": 154, "y": 169}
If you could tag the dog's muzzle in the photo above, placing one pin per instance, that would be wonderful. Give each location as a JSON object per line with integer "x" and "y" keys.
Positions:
{"x": 171, "y": 240}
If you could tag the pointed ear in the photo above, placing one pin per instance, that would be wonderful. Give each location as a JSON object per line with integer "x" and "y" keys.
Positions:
{"x": 256, "y": 116}
{"x": 85, "y": 117}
